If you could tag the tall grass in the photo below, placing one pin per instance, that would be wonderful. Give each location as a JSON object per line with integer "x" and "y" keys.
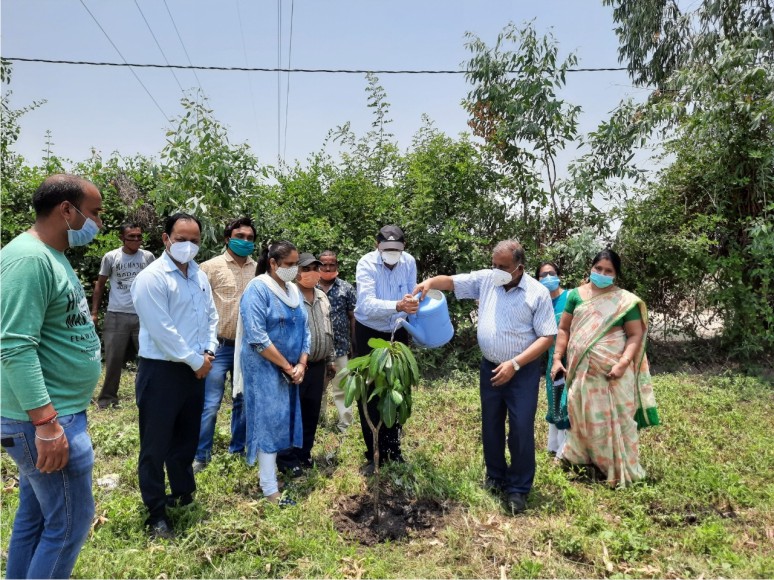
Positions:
{"x": 707, "y": 508}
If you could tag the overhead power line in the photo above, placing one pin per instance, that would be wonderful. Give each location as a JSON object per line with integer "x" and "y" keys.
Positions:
{"x": 279, "y": 75}
{"x": 158, "y": 44}
{"x": 180, "y": 38}
{"x": 247, "y": 63}
{"x": 155, "y": 102}
{"x": 288, "y": 70}
{"x": 287, "y": 90}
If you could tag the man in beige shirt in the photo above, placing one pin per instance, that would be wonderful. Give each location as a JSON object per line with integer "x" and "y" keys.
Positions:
{"x": 229, "y": 275}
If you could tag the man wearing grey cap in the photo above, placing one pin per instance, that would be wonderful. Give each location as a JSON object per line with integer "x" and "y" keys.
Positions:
{"x": 385, "y": 278}
{"x": 321, "y": 357}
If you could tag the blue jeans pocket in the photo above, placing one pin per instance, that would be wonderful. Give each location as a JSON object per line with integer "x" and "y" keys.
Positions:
{"x": 17, "y": 445}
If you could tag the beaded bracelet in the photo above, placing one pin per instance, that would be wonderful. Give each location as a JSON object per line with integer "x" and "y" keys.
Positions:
{"x": 47, "y": 420}
{"x": 50, "y": 438}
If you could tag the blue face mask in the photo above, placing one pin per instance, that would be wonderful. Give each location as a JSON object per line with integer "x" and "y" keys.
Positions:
{"x": 84, "y": 235}
{"x": 550, "y": 282}
{"x": 600, "y": 280}
{"x": 241, "y": 248}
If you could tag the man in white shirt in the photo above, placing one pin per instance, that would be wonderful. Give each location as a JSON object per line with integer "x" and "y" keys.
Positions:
{"x": 178, "y": 339}
{"x": 121, "y": 325}
{"x": 384, "y": 279}
{"x": 516, "y": 325}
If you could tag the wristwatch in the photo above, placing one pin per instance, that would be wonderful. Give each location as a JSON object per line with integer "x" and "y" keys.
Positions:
{"x": 516, "y": 366}
{"x": 209, "y": 352}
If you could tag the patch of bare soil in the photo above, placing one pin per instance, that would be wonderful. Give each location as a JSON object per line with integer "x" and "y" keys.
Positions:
{"x": 400, "y": 516}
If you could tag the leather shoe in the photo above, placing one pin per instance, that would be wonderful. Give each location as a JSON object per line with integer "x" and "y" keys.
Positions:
{"x": 368, "y": 469}
{"x": 161, "y": 530}
{"x": 517, "y": 502}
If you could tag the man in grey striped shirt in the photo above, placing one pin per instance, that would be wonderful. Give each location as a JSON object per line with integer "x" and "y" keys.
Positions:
{"x": 516, "y": 325}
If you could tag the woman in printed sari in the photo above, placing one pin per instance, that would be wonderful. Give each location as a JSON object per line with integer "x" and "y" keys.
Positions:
{"x": 609, "y": 393}
{"x": 548, "y": 275}
{"x": 274, "y": 342}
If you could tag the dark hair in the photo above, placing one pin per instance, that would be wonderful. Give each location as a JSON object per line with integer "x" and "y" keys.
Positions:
{"x": 238, "y": 223}
{"x": 174, "y": 218}
{"x": 511, "y": 246}
{"x": 58, "y": 188}
{"x": 276, "y": 251}
{"x": 548, "y": 263}
{"x": 128, "y": 226}
{"x": 608, "y": 255}
{"x": 329, "y": 253}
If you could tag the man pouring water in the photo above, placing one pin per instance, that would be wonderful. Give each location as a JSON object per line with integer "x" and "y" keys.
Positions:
{"x": 515, "y": 326}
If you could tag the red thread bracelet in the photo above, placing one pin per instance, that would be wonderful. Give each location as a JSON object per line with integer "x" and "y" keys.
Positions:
{"x": 46, "y": 421}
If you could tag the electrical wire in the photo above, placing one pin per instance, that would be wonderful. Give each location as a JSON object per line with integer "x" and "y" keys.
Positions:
{"x": 281, "y": 70}
{"x": 249, "y": 78}
{"x": 180, "y": 38}
{"x": 155, "y": 102}
{"x": 156, "y": 40}
{"x": 279, "y": 75}
{"x": 287, "y": 90}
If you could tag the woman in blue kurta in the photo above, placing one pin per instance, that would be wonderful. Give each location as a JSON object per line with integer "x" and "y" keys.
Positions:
{"x": 549, "y": 274}
{"x": 273, "y": 352}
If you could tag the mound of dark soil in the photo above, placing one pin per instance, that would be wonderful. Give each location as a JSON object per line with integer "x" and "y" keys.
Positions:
{"x": 400, "y": 517}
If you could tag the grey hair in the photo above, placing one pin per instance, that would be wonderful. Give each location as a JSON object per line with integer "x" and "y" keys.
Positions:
{"x": 512, "y": 246}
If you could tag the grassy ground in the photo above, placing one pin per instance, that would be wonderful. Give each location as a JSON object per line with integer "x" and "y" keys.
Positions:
{"x": 707, "y": 509}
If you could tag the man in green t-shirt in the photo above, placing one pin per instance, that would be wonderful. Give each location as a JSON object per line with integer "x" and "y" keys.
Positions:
{"x": 50, "y": 356}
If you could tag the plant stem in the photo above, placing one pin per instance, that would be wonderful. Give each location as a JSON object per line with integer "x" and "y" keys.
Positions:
{"x": 377, "y": 478}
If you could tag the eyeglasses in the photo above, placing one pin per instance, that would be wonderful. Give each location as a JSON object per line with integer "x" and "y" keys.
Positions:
{"x": 329, "y": 267}
{"x": 549, "y": 273}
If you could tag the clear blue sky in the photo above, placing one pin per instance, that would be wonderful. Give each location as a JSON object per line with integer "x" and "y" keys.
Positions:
{"x": 107, "y": 109}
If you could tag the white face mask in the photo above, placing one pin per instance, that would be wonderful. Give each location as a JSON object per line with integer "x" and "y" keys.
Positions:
{"x": 391, "y": 257}
{"x": 183, "y": 252}
{"x": 501, "y": 277}
{"x": 287, "y": 274}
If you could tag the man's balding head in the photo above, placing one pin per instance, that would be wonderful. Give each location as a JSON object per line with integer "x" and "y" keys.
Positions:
{"x": 56, "y": 189}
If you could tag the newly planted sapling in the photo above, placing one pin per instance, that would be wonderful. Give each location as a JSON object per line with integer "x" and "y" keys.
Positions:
{"x": 388, "y": 373}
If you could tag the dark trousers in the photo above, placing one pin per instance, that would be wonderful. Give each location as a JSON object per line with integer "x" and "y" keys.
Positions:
{"x": 311, "y": 392}
{"x": 389, "y": 438}
{"x": 517, "y": 400}
{"x": 119, "y": 331}
{"x": 170, "y": 399}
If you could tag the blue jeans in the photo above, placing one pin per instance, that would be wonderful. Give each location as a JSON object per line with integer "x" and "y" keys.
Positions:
{"x": 517, "y": 401}
{"x": 55, "y": 509}
{"x": 214, "y": 386}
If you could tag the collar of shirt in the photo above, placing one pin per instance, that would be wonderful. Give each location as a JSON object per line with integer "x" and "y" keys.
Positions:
{"x": 522, "y": 285}
{"x": 230, "y": 258}
{"x": 318, "y": 294}
{"x": 170, "y": 266}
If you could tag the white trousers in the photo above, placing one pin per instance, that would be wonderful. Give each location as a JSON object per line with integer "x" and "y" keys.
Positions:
{"x": 267, "y": 466}
{"x": 556, "y": 439}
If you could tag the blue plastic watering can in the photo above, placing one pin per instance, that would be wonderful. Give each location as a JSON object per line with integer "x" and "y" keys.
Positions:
{"x": 431, "y": 326}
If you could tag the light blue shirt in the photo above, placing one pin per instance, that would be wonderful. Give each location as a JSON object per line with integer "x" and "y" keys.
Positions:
{"x": 178, "y": 319}
{"x": 379, "y": 289}
{"x": 508, "y": 321}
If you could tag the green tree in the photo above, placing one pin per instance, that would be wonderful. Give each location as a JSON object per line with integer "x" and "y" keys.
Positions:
{"x": 700, "y": 237}
{"x": 515, "y": 108}
{"x": 203, "y": 173}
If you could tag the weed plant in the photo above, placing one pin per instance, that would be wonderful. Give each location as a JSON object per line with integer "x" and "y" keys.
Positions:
{"x": 706, "y": 509}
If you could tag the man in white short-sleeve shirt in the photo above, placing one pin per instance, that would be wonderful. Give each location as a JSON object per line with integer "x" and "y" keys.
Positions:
{"x": 121, "y": 324}
{"x": 516, "y": 325}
